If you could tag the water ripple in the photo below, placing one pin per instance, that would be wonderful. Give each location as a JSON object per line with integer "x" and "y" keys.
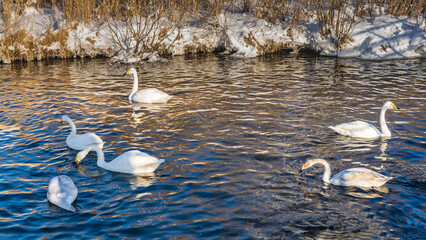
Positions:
{"x": 234, "y": 138}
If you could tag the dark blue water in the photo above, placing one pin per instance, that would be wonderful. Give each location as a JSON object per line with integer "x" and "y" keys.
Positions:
{"x": 234, "y": 138}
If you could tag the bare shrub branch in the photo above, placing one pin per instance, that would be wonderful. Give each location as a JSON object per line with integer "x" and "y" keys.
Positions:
{"x": 141, "y": 28}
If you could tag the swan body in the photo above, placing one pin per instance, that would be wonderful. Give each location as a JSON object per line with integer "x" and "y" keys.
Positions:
{"x": 81, "y": 142}
{"x": 132, "y": 162}
{"x": 360, "y": 129}
{"x": 361, "y": 177}
{"x": 148, "y": 95}
{"x": 62, "y": 192}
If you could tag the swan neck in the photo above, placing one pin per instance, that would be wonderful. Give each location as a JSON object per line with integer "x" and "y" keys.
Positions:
{"x": 73, "y": 128}
{"x": 327, "y": 170}
{"x": 101, "y": 157}
{"x": 135, "y": 85}
{"x": 383, "y": 125}
{"x": 327, "y": 173}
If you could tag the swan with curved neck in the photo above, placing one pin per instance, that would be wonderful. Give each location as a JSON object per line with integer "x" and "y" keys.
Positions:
{"x": 147, "y": 95}
{"x": 132, "y": 162}
{"x": 360, "y": 129}
{"x": 62, "y": 192}
{"x": 362, "y": 177}
{"x": 81, "y": 142}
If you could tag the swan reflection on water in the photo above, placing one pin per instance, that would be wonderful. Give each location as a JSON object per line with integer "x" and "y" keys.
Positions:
{"x": 354, "y": 191}
{"x": 140, "y": 110}
{"x": 357, "y": 145}
{"x": 142, "y": 180}
{"x": 152, "y": 108}
{"x": 376, "y": 192}
{"x": 383, "y": 155}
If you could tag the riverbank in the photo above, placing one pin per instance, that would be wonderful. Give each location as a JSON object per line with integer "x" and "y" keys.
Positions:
{"x": 39, "y": 33}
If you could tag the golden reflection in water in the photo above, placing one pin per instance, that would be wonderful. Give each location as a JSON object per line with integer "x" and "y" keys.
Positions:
{"x": 14, "y": 192}
{"x": 8, "y": 128}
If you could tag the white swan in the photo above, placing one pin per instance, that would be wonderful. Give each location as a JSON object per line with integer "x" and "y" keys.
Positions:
{"x": 62, "y": 192}
{"x": 360, "y": 129}
{"x": 81, "y": 142}
{"x": 148, "y": 95}
{"x": 132, "y": 162}
{"x": 361, "y": 177}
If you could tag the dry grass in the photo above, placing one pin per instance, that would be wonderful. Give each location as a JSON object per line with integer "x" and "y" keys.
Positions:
{"x": 19, "y": 45}
{"x": 336, "y": 20}
{"x": 410, "y": 8}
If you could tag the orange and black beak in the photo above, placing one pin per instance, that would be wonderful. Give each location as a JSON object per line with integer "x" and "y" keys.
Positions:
{"x": 395, "y": 107}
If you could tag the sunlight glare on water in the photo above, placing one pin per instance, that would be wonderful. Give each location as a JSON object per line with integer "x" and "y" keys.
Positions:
{"x": 234, "y": 138}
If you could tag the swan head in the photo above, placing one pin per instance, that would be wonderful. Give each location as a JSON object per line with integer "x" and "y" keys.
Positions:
{"x": 65, "y": 118}
{"x": 130, "y": 71}
{"x": 312, "y": 162}
{"x": 81, "y": 155}
{"x": 389, "y": 105}
{"x": 306, "y": 165}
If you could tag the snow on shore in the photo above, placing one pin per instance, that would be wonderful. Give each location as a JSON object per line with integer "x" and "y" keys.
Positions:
{"x": 385, "y": 37}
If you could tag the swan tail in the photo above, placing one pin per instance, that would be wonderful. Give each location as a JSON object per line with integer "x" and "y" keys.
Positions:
{"x": 149, "y": 167}
{"x": 69, "y": 208}
{"x": 154, "y": 166}
{"x": 98, "y": 144}
{"x": 64, "y": 205}
{"x": 383, "y": 181}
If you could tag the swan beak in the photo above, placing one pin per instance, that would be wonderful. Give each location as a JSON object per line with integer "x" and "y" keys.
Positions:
{"x": 76, "y": 160}
{"x": 303, "y": 168}
{"x": 395, "y": 107}
{"x": 126, "y": 73}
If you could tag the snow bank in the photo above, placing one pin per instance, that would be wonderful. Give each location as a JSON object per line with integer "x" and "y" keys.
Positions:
{"x": 385, "y": 38}
{"x": 242, "y": 36}
{"x": 90, "y": 40}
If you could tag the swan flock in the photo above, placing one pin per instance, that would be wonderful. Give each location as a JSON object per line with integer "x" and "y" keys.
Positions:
{"x": 63, "y": 192}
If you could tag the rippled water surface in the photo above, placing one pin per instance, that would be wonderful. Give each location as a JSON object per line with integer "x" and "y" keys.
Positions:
{"x": 234, "y": 138}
